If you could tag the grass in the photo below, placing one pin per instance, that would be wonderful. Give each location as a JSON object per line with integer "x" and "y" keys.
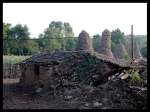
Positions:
{"x": 10, "y": 60}
{"x": 134, "y": 76}
{"x": 10, "y": 81}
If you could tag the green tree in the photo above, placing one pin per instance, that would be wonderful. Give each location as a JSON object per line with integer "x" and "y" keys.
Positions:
{"x": 96, "y": 42}
{"x": 32, "y": 46}
{"x": 19, "y": 32}
{"x": 6, "y": 29}
{"x": 41, "y": 42}
{"x": 53, "y": 37}
{"x": 144, "y": 50}
{"x": 68, "y": 32}
{"x": 117, "y": 36}
{"x": 70, "y": 43}
{"x": 16, "y": 39}
{"x": 141, "y": 41}
{"x": 21, "y": 35}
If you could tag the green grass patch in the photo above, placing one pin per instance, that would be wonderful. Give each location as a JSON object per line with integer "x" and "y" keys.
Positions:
{"x": 134, "y": 76}
{"x": 10, "y": 60}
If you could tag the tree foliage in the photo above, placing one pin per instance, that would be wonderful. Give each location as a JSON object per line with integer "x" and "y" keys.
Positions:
{"x": 117, "y": 36}
{"x": 16, "y": 40}
{"x": 57, "y": 36}
{"x": 96, "y": 41}
{"x": 141, "y": 41}
{"x": 144, "y": 50}
{"x": 6, "y": 29}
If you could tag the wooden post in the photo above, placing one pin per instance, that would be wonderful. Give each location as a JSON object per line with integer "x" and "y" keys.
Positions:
{"x": 132, "y": 54}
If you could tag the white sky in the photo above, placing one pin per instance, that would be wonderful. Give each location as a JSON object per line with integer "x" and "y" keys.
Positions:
{"x": 91, "y": 17}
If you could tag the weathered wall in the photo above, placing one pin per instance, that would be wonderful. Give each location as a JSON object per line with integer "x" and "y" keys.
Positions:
{"x": 36, "y": 75}
{"x": 28, "y": 74}
{"x": 75, "y": 67}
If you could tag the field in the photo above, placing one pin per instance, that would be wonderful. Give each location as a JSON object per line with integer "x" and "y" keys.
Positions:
{"x": 8, "y": 61}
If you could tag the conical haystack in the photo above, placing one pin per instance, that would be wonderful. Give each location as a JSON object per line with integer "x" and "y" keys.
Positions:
{"x": 120, "y": 52}
{"x": 84, "y": 42}
{"x": 136, "y": 50}
{"x": 105, "y": 44}
{"x": 137, "y": 53}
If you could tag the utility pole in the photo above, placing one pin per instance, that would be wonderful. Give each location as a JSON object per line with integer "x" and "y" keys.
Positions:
{"x": 132, "y": 54}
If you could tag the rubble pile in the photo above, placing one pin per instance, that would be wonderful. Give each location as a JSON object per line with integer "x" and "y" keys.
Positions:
{"x": 81, "y": 65}
{"x": 86, "y": 79}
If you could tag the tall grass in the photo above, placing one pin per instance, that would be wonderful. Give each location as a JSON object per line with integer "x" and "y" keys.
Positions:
{"x": 10, "y": 60}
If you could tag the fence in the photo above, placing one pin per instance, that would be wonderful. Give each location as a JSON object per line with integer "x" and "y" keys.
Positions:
{"x": 11, "y": 72}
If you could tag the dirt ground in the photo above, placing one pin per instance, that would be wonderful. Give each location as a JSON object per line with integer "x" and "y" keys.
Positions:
{"x": 105, "y": 96}
{"x": 15, "y": 99}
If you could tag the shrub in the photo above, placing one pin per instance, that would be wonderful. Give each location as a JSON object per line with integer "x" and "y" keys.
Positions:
{"x": 134, "y": 76}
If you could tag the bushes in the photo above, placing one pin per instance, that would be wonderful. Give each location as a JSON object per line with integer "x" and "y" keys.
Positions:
{"x": 10, "y": 60}
{"x": 86, "y": 67}
{"x": 134, "y": 76}
{"x": 144, "y": 52}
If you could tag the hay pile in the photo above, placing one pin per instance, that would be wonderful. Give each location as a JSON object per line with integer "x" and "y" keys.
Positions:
{"x": 84, "y": 42}
{"x": 105, "y": 44}
{"x": 120, "y": 52}
{"x": 136, "y": 50}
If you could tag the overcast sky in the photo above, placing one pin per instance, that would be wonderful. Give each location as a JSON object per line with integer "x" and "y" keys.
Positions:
{"x": 91, "y": 17}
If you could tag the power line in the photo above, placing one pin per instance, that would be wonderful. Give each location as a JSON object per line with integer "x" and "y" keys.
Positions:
{"x": 37, "y": 38}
